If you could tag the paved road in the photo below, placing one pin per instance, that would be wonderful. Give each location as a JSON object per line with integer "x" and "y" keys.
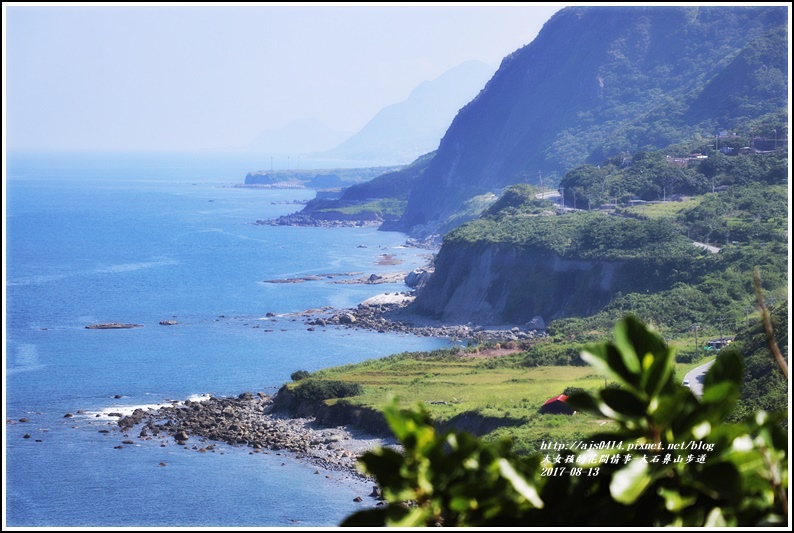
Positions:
{"x": 548, "y": 195}
{"x": 696, "y": 377}
{"x": 712, "y": 249}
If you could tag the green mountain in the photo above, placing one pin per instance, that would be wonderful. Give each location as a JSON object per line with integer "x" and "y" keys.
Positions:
{"x": 598, "y": 82}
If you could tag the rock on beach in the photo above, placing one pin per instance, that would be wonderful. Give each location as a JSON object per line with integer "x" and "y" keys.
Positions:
{"x": 247, "y": 420}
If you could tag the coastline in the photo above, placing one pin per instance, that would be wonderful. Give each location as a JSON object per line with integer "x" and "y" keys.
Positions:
{"x": 391, "y": 313}
{"x": 206, "y": 424}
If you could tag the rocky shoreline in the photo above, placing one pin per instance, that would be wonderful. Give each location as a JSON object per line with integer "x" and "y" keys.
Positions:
{"x": 252, "y": 419}
{"x": 299, "y": 219}
{"x": 390, "y": 313}
{"x": 248, "y": 420}
{"x": 113, "y": 325}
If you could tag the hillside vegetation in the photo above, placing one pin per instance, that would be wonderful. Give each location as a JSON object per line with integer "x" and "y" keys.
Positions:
{"x": 601, "y": 82}
{"x": 663, "y": 456}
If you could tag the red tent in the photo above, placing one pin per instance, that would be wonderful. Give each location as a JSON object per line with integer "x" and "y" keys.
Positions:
{"x": 557, "y": 406}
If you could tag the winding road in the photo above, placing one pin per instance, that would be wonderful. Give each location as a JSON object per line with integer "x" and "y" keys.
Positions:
{"x": 696, "y": 377}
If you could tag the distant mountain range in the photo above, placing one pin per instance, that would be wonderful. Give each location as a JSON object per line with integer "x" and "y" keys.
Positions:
{"x": 596, "y": 83}
{"x": 397, "y": 134}
{"x": 402, "y": 132}
{"x": 298, "y": 137}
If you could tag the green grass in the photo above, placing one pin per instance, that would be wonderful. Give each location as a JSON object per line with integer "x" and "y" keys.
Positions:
{"x": 385, "y": 207}
{"x": 449, "y": 383}
{"x": 664, "y": 209}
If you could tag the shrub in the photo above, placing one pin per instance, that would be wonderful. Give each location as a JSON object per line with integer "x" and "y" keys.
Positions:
{"x": 319, "y": 390}
{"x": 299, "y": 375}
{"x": 686, "y": 467}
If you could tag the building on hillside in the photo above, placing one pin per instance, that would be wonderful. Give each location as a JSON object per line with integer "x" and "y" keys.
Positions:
{"x": 684, "y": 161}
{"x": 716, "y": 344}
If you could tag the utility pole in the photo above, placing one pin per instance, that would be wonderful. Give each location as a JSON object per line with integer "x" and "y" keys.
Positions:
{"x": 747, "y": 316}
{"x": 721, "y": 320}
{"x": 696, "y": 327}
{"x": 540, "y": 178}
{"x": 562, "y": 192}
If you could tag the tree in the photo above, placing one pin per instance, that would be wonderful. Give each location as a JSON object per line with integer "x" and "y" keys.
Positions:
{"x": 672, "y": 461}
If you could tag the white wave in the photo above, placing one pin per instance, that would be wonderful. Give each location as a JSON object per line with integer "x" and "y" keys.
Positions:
{"x": 36, "y": 279}
{"x": 129, "y": 267}
{"x": 126, "y": 410}
{"x": 235, "y": 235}
{"x": 113, "y": 269}
{"x": 26, "y": 359}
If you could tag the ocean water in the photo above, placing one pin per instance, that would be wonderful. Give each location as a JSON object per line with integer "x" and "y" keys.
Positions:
{"x": 144, "y": 238}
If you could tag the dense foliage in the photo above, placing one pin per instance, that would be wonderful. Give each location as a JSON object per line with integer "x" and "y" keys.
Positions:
{"x": 581, "y": 235}
{"x": 520, "y": 199}
{"x": 749, "y": 214}
{"x": 319, "y": 389}
{"x": 764, "y": 387}
{"x": 600, "y": 82}
{"x": 665, "y": 174}
{"x": 383, "y": 197}
{"x": 678, "y": 287}
{"x": 673, "y": 461}
{"x": 299, "y": 375}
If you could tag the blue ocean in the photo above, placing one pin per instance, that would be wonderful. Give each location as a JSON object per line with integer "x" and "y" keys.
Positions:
{"x": 142, "y": 238}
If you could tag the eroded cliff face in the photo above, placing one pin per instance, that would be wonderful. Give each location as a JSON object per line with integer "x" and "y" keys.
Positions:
{"x": 499, "y": 284}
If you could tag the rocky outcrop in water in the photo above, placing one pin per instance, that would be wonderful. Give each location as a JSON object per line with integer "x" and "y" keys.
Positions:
{"x": 113, "y": 325}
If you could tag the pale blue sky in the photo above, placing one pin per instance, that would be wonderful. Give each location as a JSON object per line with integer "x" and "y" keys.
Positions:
{"x": 137, "y": 77}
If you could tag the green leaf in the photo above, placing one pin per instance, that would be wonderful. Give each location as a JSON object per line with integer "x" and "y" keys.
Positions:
{"x": 659, "y": 371}
{"x": 582, "y": 401}
{"x": 716, "y": 519}
{"x": 596, "y": 356}
{"x": 728, "y": 367}
{"x": 630, "y": 340}
{"x": 415, "y": 517}
{"x": 519, "y": 483}
{"x": 383, "y": 463}
{"x": 628, "y": 483}
{"x": 674, "y": 501}
{"x": 378, "y": 517}
{"x": 722, "y": 480}
{"x": 724, "y": 392}
{"x": 461, "y": 504}
{"x": 624, "y": 402}
{"x": 624, "y": 363}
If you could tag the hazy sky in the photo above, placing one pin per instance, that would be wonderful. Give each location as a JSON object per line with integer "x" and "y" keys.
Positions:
{"x": 132, "y": 76}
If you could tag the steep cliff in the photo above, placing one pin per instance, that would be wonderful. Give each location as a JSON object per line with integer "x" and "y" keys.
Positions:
{"x": 507, "y": 268}
{"x": 496, "y": 284}
{"x": 584, "y": 89}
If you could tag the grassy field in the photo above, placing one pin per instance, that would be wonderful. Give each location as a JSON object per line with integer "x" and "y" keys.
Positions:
{"x": 383, "y": 207}
{"x": 664, "y": 209}
{"x": 450, "y": 383}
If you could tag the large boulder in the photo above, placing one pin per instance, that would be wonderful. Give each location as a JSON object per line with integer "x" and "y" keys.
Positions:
{"x": 536, "y": 324}
{"x": 417, "y": 278}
